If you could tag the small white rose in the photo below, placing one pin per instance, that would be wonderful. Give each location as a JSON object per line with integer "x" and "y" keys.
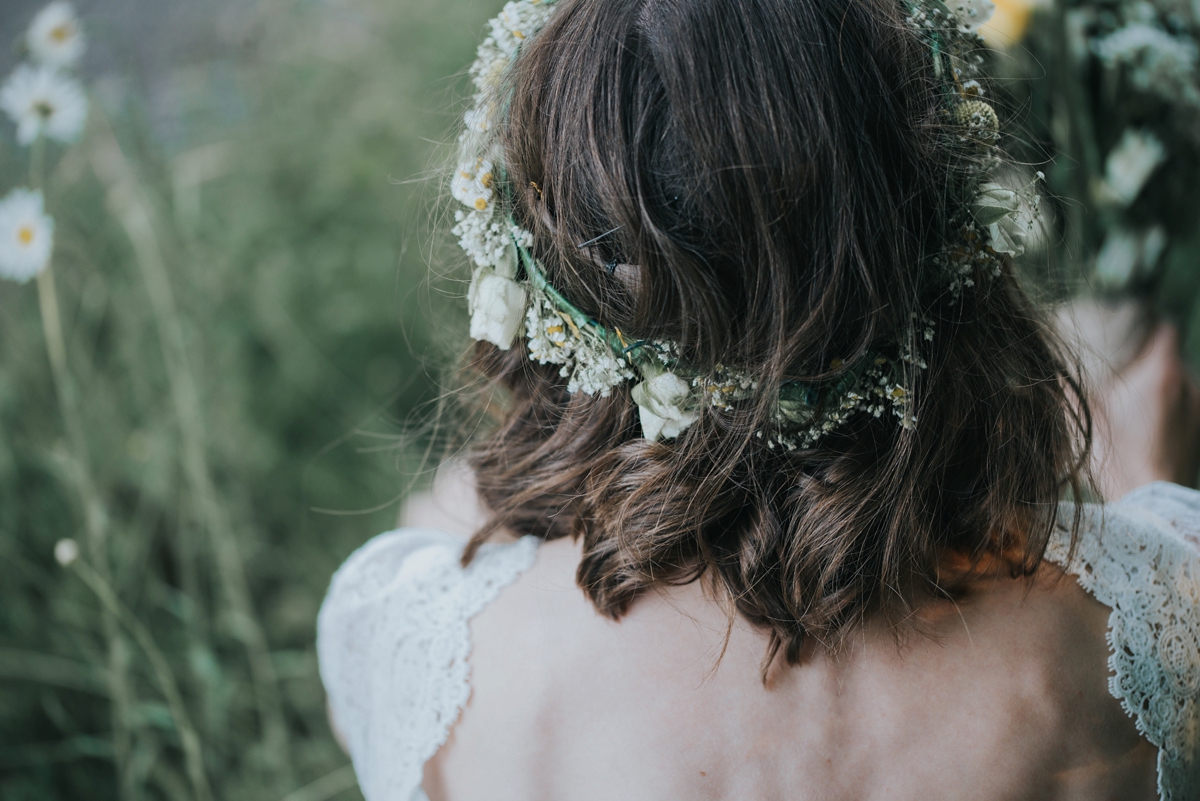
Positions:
{"x": 661, "y": 399}
{"x": 999, "y": 211}
{"x": 1008, "y": 235}
{"x": 497, "y": 307}
{"x": 993, "y": 203}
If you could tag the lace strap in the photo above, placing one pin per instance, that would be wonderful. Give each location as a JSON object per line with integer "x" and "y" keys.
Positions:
{"x": 1134, "y": 557}
{"x": 393, "y": 639}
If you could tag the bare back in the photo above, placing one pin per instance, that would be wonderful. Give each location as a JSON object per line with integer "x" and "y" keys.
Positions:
{"x": 1005, "y": 698}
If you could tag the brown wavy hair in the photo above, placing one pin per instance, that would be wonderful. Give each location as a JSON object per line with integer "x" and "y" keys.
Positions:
{"x": 772, "y": 179}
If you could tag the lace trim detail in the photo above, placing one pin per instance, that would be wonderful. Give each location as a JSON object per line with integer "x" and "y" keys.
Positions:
{"x": 1137, "y": 558}
{"x": 393, "y": 640}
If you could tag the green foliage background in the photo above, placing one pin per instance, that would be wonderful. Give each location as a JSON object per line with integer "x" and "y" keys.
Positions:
{"x": 292, "y": 210}
{"x": 1070, "y": 108}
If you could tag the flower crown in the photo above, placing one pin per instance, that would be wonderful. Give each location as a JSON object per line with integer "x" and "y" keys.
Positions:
{"x": 509, "y": 289}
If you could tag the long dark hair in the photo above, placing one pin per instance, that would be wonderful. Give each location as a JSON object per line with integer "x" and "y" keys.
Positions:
{"x": 776, "y": 177}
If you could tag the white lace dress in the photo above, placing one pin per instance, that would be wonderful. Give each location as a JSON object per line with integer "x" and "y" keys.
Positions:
{"x": 393, "y": 635}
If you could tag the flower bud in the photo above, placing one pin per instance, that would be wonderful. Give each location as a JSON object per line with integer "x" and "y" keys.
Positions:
{"x": 661, "y": 401}
{"x": 497, "y": 308}
{"x": 66, "y": 552}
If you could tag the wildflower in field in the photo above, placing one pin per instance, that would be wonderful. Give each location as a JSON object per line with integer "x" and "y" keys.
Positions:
{"x": 66, "y": 552}
{"x": 42, "y": 101}
{"x": 26, "y": 235}
{"x": 54, "y": 37}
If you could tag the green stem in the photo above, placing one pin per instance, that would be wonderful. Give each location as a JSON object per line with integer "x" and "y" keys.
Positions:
{"x": 326, "y": 787}
{"x": 192, "y": 753}
{"x": 37, "y": 163}
{"x": 618, "y": 344}
{"x": 95, "y": 517}
{"x": 127, "y": 203}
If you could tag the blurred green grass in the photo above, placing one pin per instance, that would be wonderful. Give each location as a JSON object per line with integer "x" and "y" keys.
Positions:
{"x": 294, "y": 207}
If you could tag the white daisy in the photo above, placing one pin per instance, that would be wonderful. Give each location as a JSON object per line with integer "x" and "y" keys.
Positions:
{"x": 26, "y": 235}
{"x": 41, "y": 101}
{"x": 54, "y": 36}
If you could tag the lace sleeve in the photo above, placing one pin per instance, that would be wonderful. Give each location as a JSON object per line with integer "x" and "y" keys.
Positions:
{"x": 393, "y": 640}
{"x": 1135, "y": 558}
{"x": 1178, "y": 506}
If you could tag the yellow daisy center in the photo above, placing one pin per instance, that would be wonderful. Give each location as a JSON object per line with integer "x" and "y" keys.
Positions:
{"x": 62, "y": 33}
{"x": 25, "y": 234}
{"x": 480, "y": 203}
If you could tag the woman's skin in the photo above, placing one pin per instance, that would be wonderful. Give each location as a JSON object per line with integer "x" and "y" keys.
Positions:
{"x": 1002, "y": 695}
{"x": 1147, "y": 419}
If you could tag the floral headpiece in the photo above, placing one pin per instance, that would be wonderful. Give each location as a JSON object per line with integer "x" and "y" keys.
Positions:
{"x": 509, "y": 290}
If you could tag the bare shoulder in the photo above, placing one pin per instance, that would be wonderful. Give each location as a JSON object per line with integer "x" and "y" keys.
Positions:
{"x": 1029, "y": 664}
{"x": 1003, "y": 696}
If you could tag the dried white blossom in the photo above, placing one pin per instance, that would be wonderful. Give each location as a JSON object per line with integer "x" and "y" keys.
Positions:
{"x": 487, "y": 240}
{"x": 472, "y": 184}
{"x": 972, "y": 13}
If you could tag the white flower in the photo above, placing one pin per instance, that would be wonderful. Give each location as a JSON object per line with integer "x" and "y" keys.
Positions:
{"x": 478, "y": 119}
{"x": 472, "y": 184}
{"x": 516, "y": 22}
{"x": 26, "y": 235}
{"x": 661, "y": 401}
{"x": 1130, "y": 163}
{"x": 597, "y": 369}
{"x": 497, "y": 308}
{"x": 997, "y": 209}
{"x": 54, "y": 36}
{"x": 66, "y": 552}
{"x": 972, "y": 13}
{"x": 488, "y": 241}
{"x": 41, "y": 101}
{"x": 546, "y": 334}
{"x": 1141, "y": 41}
